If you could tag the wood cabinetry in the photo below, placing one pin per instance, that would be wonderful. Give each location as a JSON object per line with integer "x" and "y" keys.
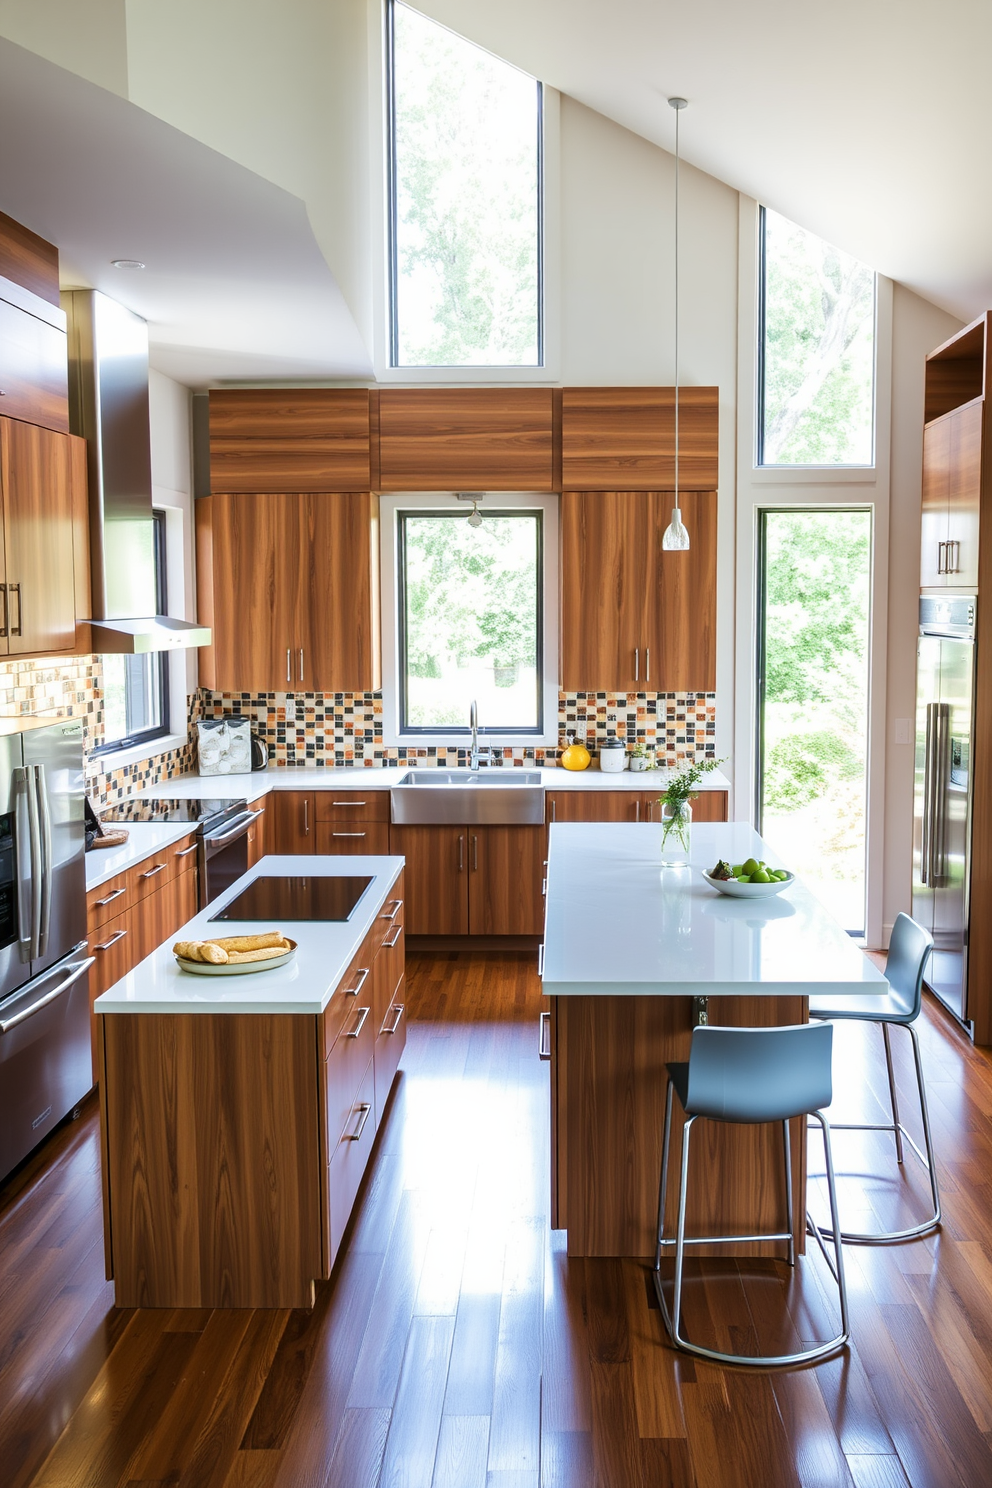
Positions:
{"x": 465, "y": 880}
{"x": 288, "y": 585}
{"x": 37, "y": 592}
{"x": 436, "y": 878}
{"x": 289, "y": 439}
{"x": 34, "y": 369}
{"x": 292, "y": 822}
{"x": 952, "y": 487}
{"x": 235, "y": 1145}
{"x": 352, "y": 822}
{"x": 623, "y": 438}
{"x": 472, "y": 439}
{"x": 258, "y": 832}
{"x": 627, "y": 806}
{"x": 632, "y": 616}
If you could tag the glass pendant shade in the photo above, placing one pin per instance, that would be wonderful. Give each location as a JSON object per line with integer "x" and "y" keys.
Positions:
{"x": 676, "y": 538}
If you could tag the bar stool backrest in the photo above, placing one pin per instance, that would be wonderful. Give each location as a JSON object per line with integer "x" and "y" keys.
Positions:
{"x": 759, "y": 1074}
{"x": 909, "y": 948}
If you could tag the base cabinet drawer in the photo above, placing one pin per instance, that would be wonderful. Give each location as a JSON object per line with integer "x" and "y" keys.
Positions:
{"x": 352, "y": 806}
{"x": 353, "y": 837}
{"x": 389, "y": 1045}
{"x": 349, "y": 1158}
{"x": 346, "y": 1064}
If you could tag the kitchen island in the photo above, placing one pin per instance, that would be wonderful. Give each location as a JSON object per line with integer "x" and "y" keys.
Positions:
{"x": 238, "y": 1112}
{"x": 636, "y": 952}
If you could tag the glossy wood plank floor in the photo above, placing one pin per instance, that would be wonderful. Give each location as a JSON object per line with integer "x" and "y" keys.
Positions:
{"x": 457, "y": 1346}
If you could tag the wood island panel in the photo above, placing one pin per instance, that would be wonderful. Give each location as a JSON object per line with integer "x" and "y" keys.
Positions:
{"x": 473, "y": 439}
{"x": 608, "y": 1089}
{"x": 213, "y": 1159}
{"x": 624, "y": 438}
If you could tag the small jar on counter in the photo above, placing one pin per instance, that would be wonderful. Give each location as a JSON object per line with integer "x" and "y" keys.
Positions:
{"x": 612, "y": 755}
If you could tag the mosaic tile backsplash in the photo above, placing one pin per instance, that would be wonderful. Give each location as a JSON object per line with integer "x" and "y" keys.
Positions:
{"x": 346, "y": 728}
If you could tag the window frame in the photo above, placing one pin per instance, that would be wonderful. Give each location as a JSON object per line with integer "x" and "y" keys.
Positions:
{"x": 537, "y": 370}
{"x": 445, "y": 503}
{"x": 143, "y": 737}
{"x": 759, "y": 402}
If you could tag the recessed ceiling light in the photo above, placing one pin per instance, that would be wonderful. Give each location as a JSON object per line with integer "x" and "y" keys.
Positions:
{"x": 127, "y": 263}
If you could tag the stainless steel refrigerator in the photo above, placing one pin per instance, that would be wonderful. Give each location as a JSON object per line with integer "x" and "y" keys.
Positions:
{"x": 945, "y": 689}
{"x": 45, "y": 1066}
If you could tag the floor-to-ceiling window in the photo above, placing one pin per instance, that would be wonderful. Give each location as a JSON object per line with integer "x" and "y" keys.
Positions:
{"x": 813, "y": 701}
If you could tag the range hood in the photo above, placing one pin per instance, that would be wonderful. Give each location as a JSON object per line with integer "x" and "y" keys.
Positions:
{"x": 108, "y": 405}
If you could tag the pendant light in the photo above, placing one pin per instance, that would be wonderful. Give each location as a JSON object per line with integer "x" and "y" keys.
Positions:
{"x": 676, "y": 538}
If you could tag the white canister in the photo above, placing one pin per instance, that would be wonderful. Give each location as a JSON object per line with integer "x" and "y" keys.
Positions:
{"x": 612, "y": 755}
{"x": 224, "y": 745}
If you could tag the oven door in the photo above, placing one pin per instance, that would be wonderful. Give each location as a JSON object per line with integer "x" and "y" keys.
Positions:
{"x": 225, "y": 856}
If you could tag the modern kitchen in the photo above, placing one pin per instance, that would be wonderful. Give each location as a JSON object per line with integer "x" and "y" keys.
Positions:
{"x": 497, "y": 982}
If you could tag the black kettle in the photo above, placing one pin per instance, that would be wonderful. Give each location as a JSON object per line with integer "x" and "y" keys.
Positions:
{"x": 259, "y": 753}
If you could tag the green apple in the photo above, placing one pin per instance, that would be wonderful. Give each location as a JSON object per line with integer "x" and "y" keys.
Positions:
{"x": 751, "y": 866}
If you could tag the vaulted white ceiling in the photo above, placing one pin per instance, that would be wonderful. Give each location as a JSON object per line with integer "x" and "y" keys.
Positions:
{"x": 868, "y": 121}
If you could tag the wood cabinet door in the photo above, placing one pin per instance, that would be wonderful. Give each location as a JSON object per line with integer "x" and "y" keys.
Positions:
{"x": 37, "y": 531}
{"x": 679, "y": 628}
{"x": 964, "y": 492}
{"x": 292, "y": 822}
{"x": 606, "y": 570}
{"x": 436, "y": 878}
{"x": 258, "y": 833}
{"x": 338, "y": 645}
{"x": 251, "y": 578}
{"x": 157, "y": 918}
{"x": 472, "y": 439}
{"x": 626, "y": 436}
{"x": 289, "y": 439}
{"x": 506, "y": 868}
{"x": 34, "y": 368}
{"x": 936, "y": 477}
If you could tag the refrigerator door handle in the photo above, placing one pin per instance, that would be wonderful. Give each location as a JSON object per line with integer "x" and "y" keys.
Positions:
{"x": 926, "y": 846}
{"x": 941, "y": 779}
{"x": 45, "y": 841}
{"x": 34, "y": 848}
{"x": 25, "y": 862}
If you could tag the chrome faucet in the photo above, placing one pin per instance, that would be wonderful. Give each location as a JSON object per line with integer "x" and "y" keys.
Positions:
{"x": 473, "y": 723}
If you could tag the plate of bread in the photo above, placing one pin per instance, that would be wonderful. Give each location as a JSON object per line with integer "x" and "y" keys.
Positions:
{"x": 234, "y": 955}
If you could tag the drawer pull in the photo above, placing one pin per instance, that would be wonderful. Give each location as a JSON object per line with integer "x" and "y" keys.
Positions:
{"x": 354, "y": 991}
{"x": 544, "y": 888}
{"x": 540, "y": 959}
{"x": 544, "y": 1037}
{"x": 159, "y": 868}
{"x": 112, "y": 941}
{"x": 349, "y": 803}
{"x": 398, "y": 1010}
{"x": 363, "y": 1110}
{"x": 349, "y": 834}
{"x": 186, "y": 851}
{"x": 114, "y": 894}
{"x": 362, "y": 1015}
{"x": 390, "y": 914}
{"x": 396, "y": 935}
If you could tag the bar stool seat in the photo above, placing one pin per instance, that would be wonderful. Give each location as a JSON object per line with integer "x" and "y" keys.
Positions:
{"x": 909, "y": 950}
{"x": 750, "y": 1076}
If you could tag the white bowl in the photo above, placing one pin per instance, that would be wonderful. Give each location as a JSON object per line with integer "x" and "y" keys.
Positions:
{"x": 237, "y": 968}
{"x": 735, "y": 890}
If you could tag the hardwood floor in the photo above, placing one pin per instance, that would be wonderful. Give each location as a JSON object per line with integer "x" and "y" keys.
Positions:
{"x": 457, "y": 1345}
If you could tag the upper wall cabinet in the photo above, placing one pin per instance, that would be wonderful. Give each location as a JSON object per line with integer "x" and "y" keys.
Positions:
{"x": 37, "y": 592}
{"x": 623, "y": 438}
{"x": 292, "y": 439}
{"x": 468, "y": 439}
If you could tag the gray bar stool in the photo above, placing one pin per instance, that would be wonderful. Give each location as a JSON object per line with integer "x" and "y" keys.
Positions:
{"x": 909, "y": 950}
{"x": 750, "y": 1076}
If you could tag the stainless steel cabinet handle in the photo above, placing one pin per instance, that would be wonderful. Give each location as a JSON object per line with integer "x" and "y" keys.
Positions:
{"x": 349, "y": 803}
{"x": 940, "y": 557}
{"x": 544, "y": 1037}
{"x": 475, "y": 853}
{"x": 306, "y": 816}
{"x": 75, "y": 972}
{"x": 112, "y": 941}
{"x": 362, "y": 1016}
{"x": 364, "y": 1108}
{"x": 637, "y": 663}
{"x": 390, "y": 914}
{"x": 647, "y": 664}
{"x": 540, "y": 959}
{"x": 183, "y": 853}
{"x": 289, "y": 666}
{"x": 3, "y": 627}
{"x": 349, "y": 834}
{"x": 398, "y": 1011}
{"x": 554, "y": 809}
{"x": 461, "y": 855}
{"x": 301, "y": 663}
{"x": 116, "y": 894}
{"x": 354, "y": 991}
{"x": 389, "y": 944}
{"x": 953, "y": 555}
{"x": 544, "y": 888}
{"x": 15, "y": 629}
{"x": 151, "y": 872}
{"x": 637, "y": 809}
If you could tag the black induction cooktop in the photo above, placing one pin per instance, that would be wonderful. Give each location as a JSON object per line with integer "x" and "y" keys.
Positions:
{"x": 168, "y": 809}
{"x": 296, "y": 899}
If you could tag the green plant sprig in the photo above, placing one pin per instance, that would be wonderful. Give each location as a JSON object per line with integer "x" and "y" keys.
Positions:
{"x": 681, "y": 787}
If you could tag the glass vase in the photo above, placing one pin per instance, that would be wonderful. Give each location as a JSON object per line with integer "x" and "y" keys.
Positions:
{"x": 676, "y": 826}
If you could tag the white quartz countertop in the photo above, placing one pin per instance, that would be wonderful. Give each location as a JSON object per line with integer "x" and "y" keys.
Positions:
{"x": 144, "y": 840}
{"x": 620, "y": 922}
{"x": 304, "y": 985}
{"x": 358, "y": 778}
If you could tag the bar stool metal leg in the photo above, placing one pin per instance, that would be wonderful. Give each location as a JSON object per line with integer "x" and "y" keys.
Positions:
{"x": 893, "y": 1097}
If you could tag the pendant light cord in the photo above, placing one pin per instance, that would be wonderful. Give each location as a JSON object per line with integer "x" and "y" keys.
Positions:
{"x": 677, "y": 113}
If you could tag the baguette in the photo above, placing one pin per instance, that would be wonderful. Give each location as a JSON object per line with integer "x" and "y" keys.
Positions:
{"x": 271, "y": 939}
{"x": 264, "y": 953}
{"x": 200, "y": 950}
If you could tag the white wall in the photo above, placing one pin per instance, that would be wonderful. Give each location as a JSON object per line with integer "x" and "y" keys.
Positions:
{"x": 917, "y": 327}
{"x": 85, "y": 36}
{"x": 172, "y": 489}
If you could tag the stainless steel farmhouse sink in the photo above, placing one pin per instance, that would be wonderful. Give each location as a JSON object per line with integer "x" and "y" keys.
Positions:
{"x": 491, "y": 797}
